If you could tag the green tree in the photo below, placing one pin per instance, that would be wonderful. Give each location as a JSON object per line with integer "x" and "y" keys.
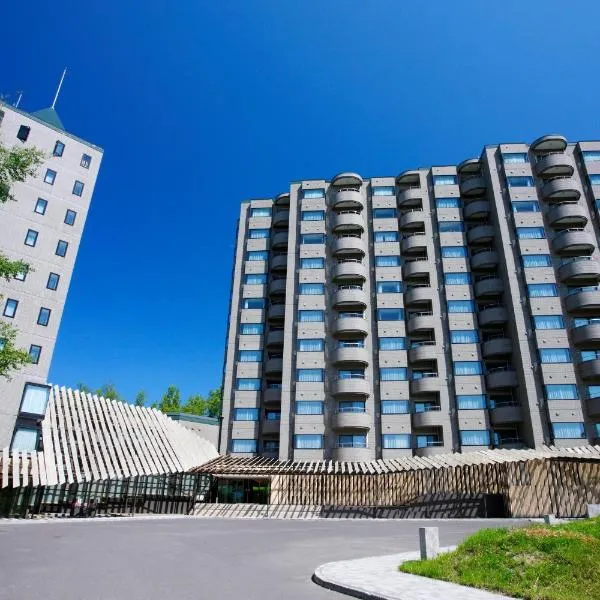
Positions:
{"x": 11, "y": 357}
{"x": 214, "y": 402}
{"x": 82, "y": 387}
{"x": 195, "y": 405}
{"x": 140, "y": 399}
{"x": 171, "y": 401}
{"x": 109, "y": 391}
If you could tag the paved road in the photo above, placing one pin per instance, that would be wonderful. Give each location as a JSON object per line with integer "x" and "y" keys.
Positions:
{"x": 194, "y": 559}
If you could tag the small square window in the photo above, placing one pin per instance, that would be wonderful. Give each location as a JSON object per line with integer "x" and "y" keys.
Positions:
{"x": 50, "y": 176}
{"x": 61, "y": 248}
{"x": 34, "y": 353}
{"x": 31, "y": 238}
{"x": 78, "y": 188}
{"x": 59, "y": 148}
{"x": 21, "y": 275}
{"x": 40, "y": 206}
{"x": 70, "y": 216}
{"x": 44, "y": 316}
{"x": 86, "y": 161}
{"x": 10, "y": 308}
{"x": 23, "y": 133}
{"x": 53, "y": 280}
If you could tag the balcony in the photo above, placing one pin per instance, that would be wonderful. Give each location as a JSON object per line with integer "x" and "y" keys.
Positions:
{"x": 570, "y": 214}
{"x": 410, "y": 177}
{"x": 581, "y": 269}
{"x": 270, "y": 426}
{"x": 412, "y": 219}
{"x": 281, "y": 219}
{"x": 351, "y": 454}
{"x": 349, "y": 270}
{"x": 489, "y": 287}
{"x": 414, "y": 243}
{"x": 275, "y": 338}
{"x": 498, "y": 346}
{"x": 350, "y": 326}
{"x": 272, "y": 396}
{"x": 589, "y": 370}
{"x": 279, "y": 241}
{"x": 431, "y": 449}
{"x": 555, "y": 165}
{"x": 480, "y": 234}
{"x": 350, "y": 296}
{"x": 277, "y": 287}
{"x": 416, "y": 268}
{"x": 479, "y": 209}
{"x": 347, "y": 179}
{"x": 583, "y": 300}
{"x": 492, "y": 315}
{"x": 279, "y": 263}
{"x": 410, "y": 197}
{"x": 505, "y": 414}
{"x": 348, "y": 220}
{"x": 425, "y": 351}
{"x": 422, "y": 322}
{"x": 351, "y": 387}
{"x": 432, "y": 417}
{"x": 348, "y": 198}
{"x": 282, "y": 199}
{"x": 473, "y": 186}
{"x": 586, "y": 335}
{"x": 351, "y": 420}
{"x": 350, "y": 355}
{"x": 485, "y": 260}
{"x": 501, "y": 378}
{"x": 429, "y": 383}
{"x": 549, "y": 143}
{"x": 273, "y": 365}
{"x": 593, "y": 407}
{"x": 573, "y": 241}
{"x": 276, "y": 312}
{"x": 419, "y": 295}
{"x": 560, "y": 189}
{"x": 349, "y": 244}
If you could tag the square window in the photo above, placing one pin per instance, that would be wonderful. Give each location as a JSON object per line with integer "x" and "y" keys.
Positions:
{"x": 59, "y": 148}
{"x": 53, "y": 280}
{"x": 31, "y": 238}
{"x": 40, "y": 206}
{"x": 21, "y": 275}
{"x": 34, "y": 353}
{"x": 44, "y": 317}
{"x": 70, "y": 217}
{"x": 23, "y": 133}
{"x": 50, "y": 176}
{"x": 444, "y": 180}
{"x": 61, "y": 248}
{"x": 25, "y": 438}
{"x": 10, "y": 308}
{"x": 78, "y": 188}
{"x": 86, "y": 161}
{"x": 35, "y": 399}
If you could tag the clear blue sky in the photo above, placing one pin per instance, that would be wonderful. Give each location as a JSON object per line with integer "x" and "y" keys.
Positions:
{"x": 200, "y": 105}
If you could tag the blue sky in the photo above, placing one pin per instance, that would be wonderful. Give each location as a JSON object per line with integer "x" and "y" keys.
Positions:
{"x": 200, "y": 105}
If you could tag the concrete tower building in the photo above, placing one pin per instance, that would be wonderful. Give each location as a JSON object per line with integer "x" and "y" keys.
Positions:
{"x": 43, "y": 227}
{"x": 446, "y": 309}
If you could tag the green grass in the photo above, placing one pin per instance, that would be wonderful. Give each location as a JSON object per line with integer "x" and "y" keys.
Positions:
{"x": 539, "y": 562}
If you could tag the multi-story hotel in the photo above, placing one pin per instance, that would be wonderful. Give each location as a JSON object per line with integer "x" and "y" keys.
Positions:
{"x": 446, "y": 309}
{"x": 43, "y": 227}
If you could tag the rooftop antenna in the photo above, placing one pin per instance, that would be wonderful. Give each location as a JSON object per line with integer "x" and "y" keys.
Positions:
{"x": 19, "y": 96}
{"x": 59, "y": 86}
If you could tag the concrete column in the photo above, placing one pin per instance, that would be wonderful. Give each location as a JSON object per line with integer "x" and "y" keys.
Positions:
{"x": 429, "y": 542}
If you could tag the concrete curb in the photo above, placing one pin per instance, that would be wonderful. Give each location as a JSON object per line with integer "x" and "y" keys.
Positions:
{"x": 378, "y": 578}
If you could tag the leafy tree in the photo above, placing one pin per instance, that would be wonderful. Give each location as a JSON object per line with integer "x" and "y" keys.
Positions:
{"x": 195, "y": 405}
{"x": 171, "y": 401}
{"x": 140, "y": 399}
{"x": 11, "y": 358}
{"x": 16, "y": 164}
{"x": 214, "y": 402}
{"x": 108, "y": 390}
{"x": 84, "y": 388}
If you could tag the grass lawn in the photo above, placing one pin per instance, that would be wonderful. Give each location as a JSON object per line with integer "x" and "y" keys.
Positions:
{"x": 539, "y": 562}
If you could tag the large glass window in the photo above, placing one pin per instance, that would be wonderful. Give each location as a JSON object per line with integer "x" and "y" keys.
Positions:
{"x": 535, "y": 261}
{"x": 383, "y": 190}
{"x": 390, "y": 314}
{"x": 514, "y": 158}
{"x": 316, "y": 193}
{"x": 591, "y": 155}
{"x": 392, "y": 373}
{"x": 520, "y": 181}
{"x": 451, "y": 226}
{"x": 457, "y": 278}
{"x": 521, "y": 206}
{"x": 541, "y": 290}
{"x": 308, "y": 441}
{"x": 548, "y": 322}
{"x": 427, "y": 440}
{"x": 386, "y": 236}
{"x": 395, "y": 407}
{"x": 10, "y": 308}
{"x": 53, "y": 280}
{"x": 312, "y": 263}
{"x": 312, "y": 375}
{"x": 251, "y": 328}
{"x": 312, "y": 238}
{"x": 250, "y": 355}
{"x": 593, "y": 391}
{"x": 309, "y": 407}
{"x": 313, "y": 215}
{"x": 568, "y": 431}
{"x": 253, "y": 255}
{"x": 395, "y": 441}
{"x": 258, "y": 234}
{"x": 384, "y": 213}
{"x": 594, "y": 179}
{"x": 245, "y": 414}
{"x": 247, "y": 384}
{"x": 50, "y": 177}
{"x": 444, "y": 180}
{"x": 260, "y": 212}
{"x": 448, "y": 203}
{"x": 354, "y": 406}
{"x": 475, "y": 438}
{"x": 348, "y": 440}
{"x": 311, "y": 316}
{"x": 555, "y": 355}
{"x": 531, "y": 233}
{"x": 454, "y": 251}
{"x": 387, "y": 261}
{"x": 31, "y": 238}
{"x": 243, "y": 446}
{"x": 561, "y": 391}
{"x": 464, "y": 336}
{"x": 35, "y": 399}
{"x": 311, "y": 289}
{"x": 316, "y": 345}
{"x": 25, "y": 438}
{"x": 253, "y": 303}
{"x": 392, "y": 343}
{"x": 44, "y": 316}
{"x": 70, "y": 217}
{"x": 389, "y": 287}
{"x": 255, "y": 279}
{"x": 471, "y": 401}
{"x": 467, "y": 367}
{"x": 461, "y": 306}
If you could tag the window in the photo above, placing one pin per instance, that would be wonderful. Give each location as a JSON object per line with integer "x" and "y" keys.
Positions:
{"x": 357, "y": 440}
{"x": 308, "y": 441}
{"x": 568, "y": 431}
{"x": 313, "y": 215}
{"x": 354, "y": 406}
{"x": 383, "y": 190}
{"x": 21, "y": 275}
{"x": 444, "y": 179}
{"x": 31, "y": 238}
{"x": 34, "y": 353}
{"x": 260, "y": 212}
{"x": 475, "y": 438}
{"x": 50, "y": 176}
{"x": 448, "y": 203}
{"x": 253, "y": 255}
{"x": 316, "y": 345}
{"x": 467, "y": 367}
{"x": 61, "y": 248}
{"x": 253, "y": 303}
{"x": 312, "y": 375}
{"x": 395, "y": 407}
{"x": 25, "y": 438}
{"x": 247, "y": 384}
{"x": 351, "y": 374}
{"x": 59, "y": 148}
{"x": 309, "y": 407}
{"x": 561, "y": 391}
{"x": 594, "y": 179}
{"x": 387, "y": 261}
{"x": 395, "y": 441}
{"x": 245, "y": 414}
{"x": 471, "y": 401}
{"x": 392, "y": 343}
{"x": 243, "y": 446}
{"x": 35, "y": 399}
{"x": 515, "y": 158}
{"x": 432, "y": 439}
{"x": 555, "y": 355}
{"x": 590, "y": 355}
{"x": 392, "y": 373}
{"x": 457, "y": 278}
{"x": 390, "y": 314}
{"x": 40, "y": 206}
{"x": 548, "y": 322}
{"x": 53, "y": 280}
{"x": 86, "y": 161}
{"x": 255, "y": 279}
{"x": 461, "y": 306}
{"x": 454, "y": 251}
{"x": 386, "y": 236}
{"x": 534, "y": 261}
{"x": 520, "y": 181}
{"x": 78, "y": 188}
{"x": 10, "y": 308}
{"x": 272, "y": 415}
{"x": 311, "y": 289}
{"x": 311, "y": 316}
{"x": 312, "y": 263}
{"x": 582, "y": 321}
{"x": 542, "y": 290}
{"x": 318, "y": 193}
{"x": 312, "y": 238}
{"x": 464, "y": 336}
{"x": 450, "y": 226}
{"x": 251, "y": 328}
{"x": 531, "y": 233}
{"x": 593, "y": 391}
{"x": 258, "y": 234}
{"x": 250, "y": 355}
{"x": 384, "y": 213}
{"x": 44, "y": 316}
{"x": 70, "y": 217}
{"x": 23, "y": 133}
{"x": 591, "y": 155}
{"x": 389, "y": 287}
{"x": 522, "y": 206}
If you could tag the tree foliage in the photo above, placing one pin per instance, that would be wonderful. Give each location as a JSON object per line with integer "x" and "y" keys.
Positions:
{"x": 16, "y": 164}
{"x": 171, "y": 401}
{"x": 11, "y": 357}
{"x": 209, "y": 407}
{"x": 11, "y": 268}
{"x": 106, "y": 390}
{"x": 140, "y": 399}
